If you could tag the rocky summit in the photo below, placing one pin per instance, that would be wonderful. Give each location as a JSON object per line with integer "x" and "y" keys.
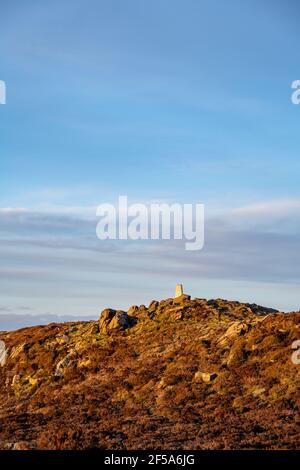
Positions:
{"x": 179, "y": 374}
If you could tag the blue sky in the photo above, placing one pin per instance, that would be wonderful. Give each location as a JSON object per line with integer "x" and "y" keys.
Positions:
{"x": 173, "y": 101}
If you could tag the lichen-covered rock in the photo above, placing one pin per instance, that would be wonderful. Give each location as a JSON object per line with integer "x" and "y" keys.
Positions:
{"x": 63, "y": 364}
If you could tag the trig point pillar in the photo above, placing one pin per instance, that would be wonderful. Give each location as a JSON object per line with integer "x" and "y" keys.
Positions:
{"x": 178, "y": 290}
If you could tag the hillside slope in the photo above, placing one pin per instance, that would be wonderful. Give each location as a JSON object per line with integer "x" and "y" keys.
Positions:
{"x": 180, "y": 374}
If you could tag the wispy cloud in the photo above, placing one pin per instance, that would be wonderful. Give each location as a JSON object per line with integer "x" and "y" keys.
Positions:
{"x": 47, "y": 254}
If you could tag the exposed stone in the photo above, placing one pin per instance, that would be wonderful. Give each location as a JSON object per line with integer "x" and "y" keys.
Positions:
{"x": 181, "y": 298}
{"x": 258, "y": 391}
{"x": 16, "y": 379}
{"x": 17, "y": 350}
{"x": 93, "y": 329}
{"x": 153, "y": 305}
{"x": 114, "y": 319}
{"x": 132, "y": 310}
{"x": 236, "y": 329}
{"x": 23, "y": 445}
{"x": 166, "y": 302}
{"x": 205, "y": 377}
{"x": 32, "y": 381}
{"x": 106, "y": 317}
{"x": 237, "y": 355}
{"x": 122, "y": 320}
{"x": 62, "y": 339}
{"x": 63, "y": 364}
{"x": 176, "y": 313}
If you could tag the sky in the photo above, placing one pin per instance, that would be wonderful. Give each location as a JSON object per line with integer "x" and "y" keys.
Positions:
{"x": 161, "y": 101}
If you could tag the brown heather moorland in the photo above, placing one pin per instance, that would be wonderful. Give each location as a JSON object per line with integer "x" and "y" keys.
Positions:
{"x": 180, "y": 374}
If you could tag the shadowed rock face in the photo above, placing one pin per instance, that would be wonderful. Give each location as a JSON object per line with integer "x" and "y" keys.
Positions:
{"x": 115, "y": 319}
{"x": 188, "y": 373}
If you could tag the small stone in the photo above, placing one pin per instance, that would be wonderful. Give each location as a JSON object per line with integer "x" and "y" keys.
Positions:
{"x": 62, "y": 338}
{"x": 23, "y": 445}
{"x": 16, "y": 379}
{"x": 258, "y": 391}
{"x": 33, "y": 381}
{"x": 205, "y": 377}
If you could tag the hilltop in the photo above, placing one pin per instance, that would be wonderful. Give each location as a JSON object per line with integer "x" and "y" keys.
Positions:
{"x": 178, "y": 374}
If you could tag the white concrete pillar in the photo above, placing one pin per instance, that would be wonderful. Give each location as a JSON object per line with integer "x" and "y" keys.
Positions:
{"x": 178, "y": 290}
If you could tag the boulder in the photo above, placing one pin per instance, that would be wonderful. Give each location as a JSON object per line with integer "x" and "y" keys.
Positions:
{"x": 115, "y": 319}
{"x": 105, "y": 318}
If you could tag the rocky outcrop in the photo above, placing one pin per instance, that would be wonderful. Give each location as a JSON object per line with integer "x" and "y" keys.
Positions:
{"x": 179, "y": 373}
